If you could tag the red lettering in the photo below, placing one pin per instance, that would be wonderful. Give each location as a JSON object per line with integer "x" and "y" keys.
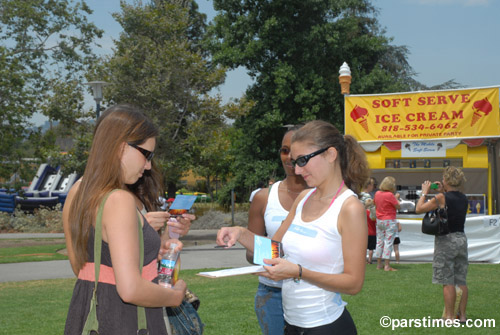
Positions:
{"x": 375, "y": 103}
{"x": 386, "y": 118}
{"x": 453, "y": 98}
{"x": 444, "y": 116}
{"x": 457, "y": 115}
{"x": 386, "y": 103}
{"x": 441, "y": 99}
{"x": 410, "y": 117}
{"x": 421, "y": 101}
{"x": 407, "y": 101}
{"x": 432, "y": 116}
{"x": 465, "y": 98}
{"x": 421, "y": 117}
{"x": 430, "y": 101}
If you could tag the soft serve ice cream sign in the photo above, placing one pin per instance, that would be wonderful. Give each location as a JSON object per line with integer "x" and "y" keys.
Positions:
{"x": 425, "y": 115}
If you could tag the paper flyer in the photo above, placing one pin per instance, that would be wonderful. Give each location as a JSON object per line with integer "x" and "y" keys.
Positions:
{"x": 233, "y": 272}
{"x": 182, "y": 204}
{"x": 265, "y": 248}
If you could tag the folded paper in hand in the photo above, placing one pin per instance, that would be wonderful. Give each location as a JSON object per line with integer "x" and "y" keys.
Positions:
{"x": 264, "y": 248}
{"x": 182, "y": 204}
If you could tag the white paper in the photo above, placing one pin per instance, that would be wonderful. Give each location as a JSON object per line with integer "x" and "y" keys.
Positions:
{"x": 233, "y": 272}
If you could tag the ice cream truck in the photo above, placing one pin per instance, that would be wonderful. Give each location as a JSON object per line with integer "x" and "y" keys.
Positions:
{"x": 413, "y": 136}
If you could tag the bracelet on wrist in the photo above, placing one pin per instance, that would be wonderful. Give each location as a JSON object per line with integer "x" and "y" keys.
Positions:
{"x": 297, "y": 280}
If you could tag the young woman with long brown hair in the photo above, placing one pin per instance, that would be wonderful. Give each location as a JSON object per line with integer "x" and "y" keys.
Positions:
{"x": 122, "y": 150}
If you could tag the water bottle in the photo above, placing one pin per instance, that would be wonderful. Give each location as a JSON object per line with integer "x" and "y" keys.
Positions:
{"x": 170, "y": 232}
{"x": 167, "y": 266}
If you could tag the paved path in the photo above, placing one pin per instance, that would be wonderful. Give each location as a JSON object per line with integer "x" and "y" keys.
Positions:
{"x": 197, "y": 256}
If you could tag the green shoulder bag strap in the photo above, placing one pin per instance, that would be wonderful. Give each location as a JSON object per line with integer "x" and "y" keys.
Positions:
{"x": 92, "y": 324}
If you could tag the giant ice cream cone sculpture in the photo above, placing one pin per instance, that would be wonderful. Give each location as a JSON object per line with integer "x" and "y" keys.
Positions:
{"x": 481, "y": 108}
{"x": 345, "y": 78}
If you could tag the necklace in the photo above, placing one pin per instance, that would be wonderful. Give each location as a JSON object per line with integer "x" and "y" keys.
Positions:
{"x": 286, "y": 188}
{"x": 336, "y": 193}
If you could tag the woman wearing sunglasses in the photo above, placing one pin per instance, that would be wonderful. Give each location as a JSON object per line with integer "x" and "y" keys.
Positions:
{"x": 121, "y": 153}
{"x": 324, "y": 237}
{"x": 269, "y": 207}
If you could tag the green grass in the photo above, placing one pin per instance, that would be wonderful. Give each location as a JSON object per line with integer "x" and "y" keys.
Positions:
{"x": 32, "y": 253}
{"x": 227, "y": 303}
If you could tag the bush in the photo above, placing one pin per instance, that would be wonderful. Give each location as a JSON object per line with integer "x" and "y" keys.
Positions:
{"x": 43, "y": 220}
{"x": 214, "y": 219}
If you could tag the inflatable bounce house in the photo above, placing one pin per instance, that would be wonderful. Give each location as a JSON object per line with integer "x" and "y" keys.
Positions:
{"x": 48, "y": 188}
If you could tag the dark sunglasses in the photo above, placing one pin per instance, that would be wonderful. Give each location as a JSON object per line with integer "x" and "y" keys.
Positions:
{"x": 148, "y": 154}
{"x": 302, "y": 161}
{"x": 284, "y": 151}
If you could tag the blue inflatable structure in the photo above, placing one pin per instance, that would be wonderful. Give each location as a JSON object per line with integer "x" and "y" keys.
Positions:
{"x": 48, "y": 188}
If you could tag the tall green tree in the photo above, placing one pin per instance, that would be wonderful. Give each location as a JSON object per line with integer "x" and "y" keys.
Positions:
{"x": 159, "y": 64}
{"x": 45, "y": 48}
{"x": 293, "y": 50}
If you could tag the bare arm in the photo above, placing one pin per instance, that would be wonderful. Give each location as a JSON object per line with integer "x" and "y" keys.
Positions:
{"x": 67, "y": 226}
{"x": 228, "y": 236}
{"x": 157, "y": 219}
{"x": 120, "y": 231}
{"x": 398, "y": 204}
{"x": 256, "y": 222}
{"x": 424, "y": 206}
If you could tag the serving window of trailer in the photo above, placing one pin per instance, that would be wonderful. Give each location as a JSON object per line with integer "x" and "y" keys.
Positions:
{"x": 410, "y": 172}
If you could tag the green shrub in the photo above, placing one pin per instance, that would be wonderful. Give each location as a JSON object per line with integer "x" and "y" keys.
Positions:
{"x": 43, "y": 220}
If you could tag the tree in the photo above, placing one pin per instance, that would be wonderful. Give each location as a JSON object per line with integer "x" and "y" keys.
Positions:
{"x": 160, "y": 66}
{"x": 293, "y": 50}
{"x": 45, "y": 49}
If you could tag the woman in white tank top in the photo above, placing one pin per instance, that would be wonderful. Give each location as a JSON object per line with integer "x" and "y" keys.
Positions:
{"x": 324, "y": 236}
{"x": 269, "y": 207}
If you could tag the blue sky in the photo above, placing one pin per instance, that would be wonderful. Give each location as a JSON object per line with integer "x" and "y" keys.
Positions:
{"x": 447, "y": 39}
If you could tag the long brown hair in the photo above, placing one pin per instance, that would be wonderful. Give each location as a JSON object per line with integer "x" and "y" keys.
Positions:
{"x": 150, "y": 186}
{"x": 352, "y": 159}
{"x": 117, "y": 125}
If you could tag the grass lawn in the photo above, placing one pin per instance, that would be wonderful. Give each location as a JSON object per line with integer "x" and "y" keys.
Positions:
{"x": 31, "y": 253}
{"x": 39, "y": 307}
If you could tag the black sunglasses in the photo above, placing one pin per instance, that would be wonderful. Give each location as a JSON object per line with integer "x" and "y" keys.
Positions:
{"x": 284, "y": 151}
{"x": 302, "y": 161}
{"x": 148, "y": 154}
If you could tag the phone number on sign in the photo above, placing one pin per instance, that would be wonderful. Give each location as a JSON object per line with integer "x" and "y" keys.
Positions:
{"x": 409, "y": 127}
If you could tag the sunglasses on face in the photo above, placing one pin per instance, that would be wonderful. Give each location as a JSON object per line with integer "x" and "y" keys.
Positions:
{"x": 148, "y": 154}
{"x": 284, "y": 151}
{"x": 302, "y": 161}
